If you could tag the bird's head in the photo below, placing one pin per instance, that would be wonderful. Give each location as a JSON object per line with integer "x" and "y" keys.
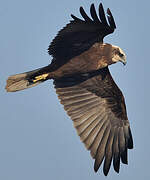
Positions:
{"x": 118, "y": 55}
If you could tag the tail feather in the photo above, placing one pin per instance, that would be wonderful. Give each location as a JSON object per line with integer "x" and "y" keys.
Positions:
{"x": 26, "y": 80}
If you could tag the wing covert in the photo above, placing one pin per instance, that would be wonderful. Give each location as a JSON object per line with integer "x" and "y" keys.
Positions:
{"x": 97, "y": 108}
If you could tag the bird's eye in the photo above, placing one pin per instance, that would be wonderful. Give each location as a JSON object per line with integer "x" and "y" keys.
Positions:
{"x": 121, "y": 55}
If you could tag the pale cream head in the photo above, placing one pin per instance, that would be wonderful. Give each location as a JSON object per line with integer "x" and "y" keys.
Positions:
{"x": 118, "y": 55}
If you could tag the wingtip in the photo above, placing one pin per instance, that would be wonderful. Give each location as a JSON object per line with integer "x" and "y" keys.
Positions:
{"x": 96, "y": 167}
{"x": 116, "y": 163}
{"x": 130, "y": 141}
{"x": 84, "y": 15}
{"x": 117, "y": 169}
{"x": 73, "y": 17}
{"x": 111, "y": 19}
{"x": 81, "y": 9}
{"x": 124, "y": 161}
{"x": 105, "y": 171}
{"x": 124, "y": 156}
{"x": 92, "y": 5}
{"x": 108, "y": 11}
{"x": 101, "y": 4}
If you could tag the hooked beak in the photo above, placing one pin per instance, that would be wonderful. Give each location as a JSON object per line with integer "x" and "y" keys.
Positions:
{"x": 123, "y": 61}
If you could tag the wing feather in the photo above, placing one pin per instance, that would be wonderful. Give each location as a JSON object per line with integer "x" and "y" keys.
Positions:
{"x": 85, "y": 16}
{"x": 84, "y": 108}
{"x": 79, "y": 35}
{"x": 93, "y": 14}
{"x": 102, "y": 14}
{"x": 82, "y": 105}
{"x": 89, "y": 128}
{"x": 128, "y": 137}
{"x": 108, "y": 152}
{"x": 97, "y": 108}
{"x": 87, "y": 125}
{"x": 79, "y": 120}
{"x": 89, "y": 141}
{"x": 77, "y": 101}
{"x": 101, "y": 149}
{"x": 122, "y": 145}
{"x": 111, "y": 19}
{"x": 97, "y": 140}
{"x": 77, "y": 19}
{"x": 124, "y": 156}
{"x": 116, "y": 153}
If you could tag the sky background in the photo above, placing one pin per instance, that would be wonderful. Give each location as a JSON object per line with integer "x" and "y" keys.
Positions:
{"x": 37, "y": 138}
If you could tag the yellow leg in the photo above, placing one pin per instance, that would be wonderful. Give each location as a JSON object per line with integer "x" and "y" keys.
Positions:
{"x": 41, "y": 77}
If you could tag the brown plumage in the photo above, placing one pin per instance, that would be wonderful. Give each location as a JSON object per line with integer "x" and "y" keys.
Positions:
{"x": 85, "y": 86}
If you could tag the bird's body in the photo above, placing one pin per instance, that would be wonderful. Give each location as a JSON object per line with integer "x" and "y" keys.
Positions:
{"x": 99, "y": 56}
{"x": 91, "y": 60}
{"x": 85, "y": 86}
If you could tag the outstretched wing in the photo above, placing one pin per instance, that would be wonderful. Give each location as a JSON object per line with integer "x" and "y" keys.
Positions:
{"x": 97, "y": 108}
{"x": 79, "y": 35}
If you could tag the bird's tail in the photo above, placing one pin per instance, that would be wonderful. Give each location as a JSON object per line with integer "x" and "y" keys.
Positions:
{"x": 26, "y": 80}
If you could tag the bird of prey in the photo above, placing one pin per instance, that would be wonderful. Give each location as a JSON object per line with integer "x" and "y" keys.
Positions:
{"x": 85, "y": 87}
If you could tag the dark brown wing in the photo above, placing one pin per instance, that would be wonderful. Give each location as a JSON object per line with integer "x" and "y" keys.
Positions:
{"x": 97, "y": 108}
{"x": 79, "y": 35}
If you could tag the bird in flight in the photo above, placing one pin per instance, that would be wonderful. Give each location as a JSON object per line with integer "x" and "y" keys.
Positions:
{"x": 85, "y": 87}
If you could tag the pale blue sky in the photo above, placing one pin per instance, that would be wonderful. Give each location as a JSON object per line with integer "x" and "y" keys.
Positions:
{"x": 37, "y": 138}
